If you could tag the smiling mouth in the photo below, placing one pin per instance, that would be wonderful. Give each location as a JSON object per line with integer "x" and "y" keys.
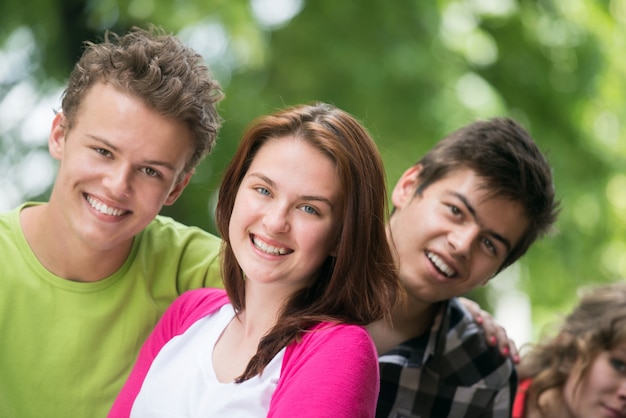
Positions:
{"x": 269, "y": 249}
{"x": 441, "y": 265}
{"x": 617, "y": 412}
{"x": 102, "y": 208}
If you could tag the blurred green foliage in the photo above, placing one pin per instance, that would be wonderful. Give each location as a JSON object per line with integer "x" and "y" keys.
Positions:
{"x": 410, "y": 70}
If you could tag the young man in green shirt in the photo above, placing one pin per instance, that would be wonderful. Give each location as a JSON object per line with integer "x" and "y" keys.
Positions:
{"x": 86, "y": 275}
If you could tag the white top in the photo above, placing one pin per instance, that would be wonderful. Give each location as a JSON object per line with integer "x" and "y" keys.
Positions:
{"x": 181, "y": 381}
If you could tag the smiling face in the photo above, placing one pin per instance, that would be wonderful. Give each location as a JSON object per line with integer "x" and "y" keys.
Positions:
{"x": 602, "y": 391}
{"x": 119, "y": 164}
{"x": 453, "y": 236}
{"x": 284, "y": 221}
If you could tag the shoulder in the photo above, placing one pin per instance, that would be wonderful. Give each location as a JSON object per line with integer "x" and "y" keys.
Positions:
{"x": 185, "y": 311}
{"x": 331, "y": 371}
{"x": 205, "y": 298}
{"x": 165, "y": 226}
{"x": 13, "y": 216}
{"x": 170, "y": 239}
{"x": 336, "y": 340}
{"x": 519, "y": 405}
{"x": 195, "y": 304}
{"x": 11, "y": 233}
{"x": 460, "y": 327}
{"x": 331, "y": 330}
{"x": 338, "y": 350}
{"x": 9, "y": 218}
{"x": 186, "y": 257}
{"x": 466, "y": 358}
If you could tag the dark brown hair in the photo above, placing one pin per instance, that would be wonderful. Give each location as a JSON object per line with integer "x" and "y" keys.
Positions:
{"x": 157, "y": 68}
{"x": 357, "y": 286}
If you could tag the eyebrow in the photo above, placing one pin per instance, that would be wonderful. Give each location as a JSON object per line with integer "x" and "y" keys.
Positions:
{"x": 472, "y": 211}
{"x": 148, "y": 162}
{"x": 303, "y": 197}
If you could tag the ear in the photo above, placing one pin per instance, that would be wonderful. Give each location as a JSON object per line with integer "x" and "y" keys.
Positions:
{"x": 56, "y": 139}
{"x": 404, "y": 190}
{"x": 178, "y": 189}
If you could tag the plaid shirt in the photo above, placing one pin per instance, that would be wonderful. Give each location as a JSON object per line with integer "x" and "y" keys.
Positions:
{"x": 449, "y": 372}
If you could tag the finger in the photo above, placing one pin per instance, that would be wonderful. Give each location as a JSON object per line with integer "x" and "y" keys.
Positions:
{"x": 506, "y": 345}
{"x": 489, "y": 327}
{"x": 473, "y": 308}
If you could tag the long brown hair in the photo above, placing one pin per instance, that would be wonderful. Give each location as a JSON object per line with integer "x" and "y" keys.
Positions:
{"x": 357, "y": 286}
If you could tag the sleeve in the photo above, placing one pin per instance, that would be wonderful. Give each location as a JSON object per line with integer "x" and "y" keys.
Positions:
{"x": 200, "y": 260}
{"x": 213, "y": 276}
{"x": 180, "y": 315}
{"x": 519, "y": 405}
{"x": 486, "y": 381}
{"x": 331, "y": 373}
{"x": 188, "y": 253}
{"x": 503, "y": 405}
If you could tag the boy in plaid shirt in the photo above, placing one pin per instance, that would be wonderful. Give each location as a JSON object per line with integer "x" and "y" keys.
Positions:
{"x": 468, "y": 209}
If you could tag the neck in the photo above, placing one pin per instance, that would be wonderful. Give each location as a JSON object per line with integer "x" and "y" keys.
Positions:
{"x": 263, "y": 304}
{"x": 55, "y": 250}
{"x": 409, "y": 319}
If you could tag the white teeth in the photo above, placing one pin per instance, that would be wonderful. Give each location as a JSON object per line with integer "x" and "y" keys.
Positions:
{"x": 441, "y": 265}
{"x": 102, "y": 208}
{"x": 270, "y": 249}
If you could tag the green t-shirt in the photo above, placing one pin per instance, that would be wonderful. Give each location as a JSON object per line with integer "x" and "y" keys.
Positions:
{"x": 67, "y": 347}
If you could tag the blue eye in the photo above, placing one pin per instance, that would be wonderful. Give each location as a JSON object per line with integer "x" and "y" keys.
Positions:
{"x": 263, "y": 191}
{"x": 310, "y": 209}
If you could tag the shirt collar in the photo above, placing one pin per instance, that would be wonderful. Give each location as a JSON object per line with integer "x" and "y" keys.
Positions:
{"x": 432, "y": 342}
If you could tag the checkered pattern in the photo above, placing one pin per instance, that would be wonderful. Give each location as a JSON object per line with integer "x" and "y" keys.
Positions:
{"x": 449, "y": 372}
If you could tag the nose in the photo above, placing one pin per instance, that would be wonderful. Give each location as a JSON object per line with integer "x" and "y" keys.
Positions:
{"x": 117, "y": 181}
{"x": 276, "y": 219}
{"x": 621, "y": 393}
{"x": 462, "y": 238}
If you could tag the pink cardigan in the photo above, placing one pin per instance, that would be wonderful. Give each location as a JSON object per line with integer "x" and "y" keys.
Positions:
{"x": 332, "y": 372}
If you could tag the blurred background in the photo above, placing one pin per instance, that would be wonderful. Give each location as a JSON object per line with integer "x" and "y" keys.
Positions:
{"x": 410, "y": 70}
